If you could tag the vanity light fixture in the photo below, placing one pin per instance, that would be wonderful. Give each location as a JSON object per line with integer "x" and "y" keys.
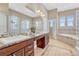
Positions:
{"x": 39, "y": 12}
{"x": 42, "y": 14}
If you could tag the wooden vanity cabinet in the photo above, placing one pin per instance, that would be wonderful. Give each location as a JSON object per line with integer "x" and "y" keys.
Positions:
{"x": 25, "y": 48}
{"x": 19, "y": 53}
{"x": 26, "y": 51}
{"x": 18, "y": 49}
{"x": 29, "y": 50}
{"x": 29, "y": 53}
{"x": 42, "y": 41}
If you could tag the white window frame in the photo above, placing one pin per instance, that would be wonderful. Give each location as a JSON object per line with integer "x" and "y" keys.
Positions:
{"x": 62, "y": 22}
{"x": 70, "y": 21}
{"x": 25, "y": 26}
{"x": 14, "y": 25}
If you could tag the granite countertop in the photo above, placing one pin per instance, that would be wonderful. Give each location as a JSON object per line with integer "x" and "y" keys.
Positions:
{"x": 12, "y": 40}
{"x": 16, "y": 39}
{"x": 70, "y": 36}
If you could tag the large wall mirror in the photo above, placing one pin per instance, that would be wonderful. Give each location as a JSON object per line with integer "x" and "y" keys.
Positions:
{"x": 3, "y": 23}
{"x": 14, "y": 24}
{"x": 38, "y": 24}
{"x": 25, "y": 26}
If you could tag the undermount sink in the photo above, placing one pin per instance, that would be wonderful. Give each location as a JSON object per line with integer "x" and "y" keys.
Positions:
{"x": 13, "y": 39}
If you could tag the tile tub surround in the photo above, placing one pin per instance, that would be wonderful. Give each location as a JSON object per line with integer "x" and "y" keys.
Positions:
{"x": 68, "y": 39}
{"x": 68, "y": 35}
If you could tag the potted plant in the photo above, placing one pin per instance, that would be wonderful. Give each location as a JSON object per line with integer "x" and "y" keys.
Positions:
{"x": 33, "y": 29}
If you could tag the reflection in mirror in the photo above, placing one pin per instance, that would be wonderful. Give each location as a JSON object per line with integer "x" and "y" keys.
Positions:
{"x": 25, "y": 26}
{"x": 14, "y": 25}
{"x": 38, "y": 24}
{"x": 3, "y": 23}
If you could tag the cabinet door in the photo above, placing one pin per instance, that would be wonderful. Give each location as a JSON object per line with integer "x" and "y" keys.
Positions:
{"x": 19, "y": 53}
{"x": 41, "y": 42}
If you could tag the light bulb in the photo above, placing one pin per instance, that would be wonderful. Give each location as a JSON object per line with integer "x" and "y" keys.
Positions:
{"x": 38, "y": 11}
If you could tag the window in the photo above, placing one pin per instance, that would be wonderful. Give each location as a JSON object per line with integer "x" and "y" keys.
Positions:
{"x": 14, "y": 24}
{"x": 62, "y": 21}
{"x": 38, "y": 26}
{"x": 51, "y": 23}
{"x": 37, "y": 23}
{"x": 70, "y": 20}
{"x": 25, "y": 25}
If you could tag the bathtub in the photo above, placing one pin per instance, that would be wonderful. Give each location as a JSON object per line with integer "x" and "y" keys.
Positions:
{"x": 68, "y": 39}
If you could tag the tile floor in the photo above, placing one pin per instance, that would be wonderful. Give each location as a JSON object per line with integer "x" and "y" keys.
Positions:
{"x": 56, "y": 48}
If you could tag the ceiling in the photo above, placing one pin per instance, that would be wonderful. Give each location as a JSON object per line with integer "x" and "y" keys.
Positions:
{"x": 61, "y": 6}
{"x": 21, "y": 7}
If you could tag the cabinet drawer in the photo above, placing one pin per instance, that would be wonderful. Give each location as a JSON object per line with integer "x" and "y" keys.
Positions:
{"x": 29, "y": 53}
{"x": 29, "y": 42}
{"x": 30, "y": 47}
{"x": 15, "y": 47}
{"x": 19, "y": 53}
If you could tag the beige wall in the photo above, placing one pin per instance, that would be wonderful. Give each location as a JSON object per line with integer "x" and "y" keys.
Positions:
{"x": 52, "y": 15}
{"x": 4, "y": 8}
{"x": 77, "y": 26}
{"x": 45, "y": 18}
{"x": 77, "y": 20}
{"x": 67, "y": 30}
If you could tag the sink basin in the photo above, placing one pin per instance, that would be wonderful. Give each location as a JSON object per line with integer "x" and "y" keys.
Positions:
{"x": 13, "y": 39}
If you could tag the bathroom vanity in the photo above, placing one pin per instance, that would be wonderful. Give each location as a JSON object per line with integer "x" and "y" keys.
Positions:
{"x": 22, "y": 45}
